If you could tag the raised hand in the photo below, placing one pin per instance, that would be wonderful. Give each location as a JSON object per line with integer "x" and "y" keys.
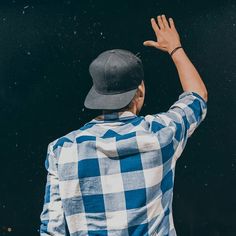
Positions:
{"x": 167, "y": 36}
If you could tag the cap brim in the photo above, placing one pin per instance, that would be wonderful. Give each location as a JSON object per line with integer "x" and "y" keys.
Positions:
{"x": 95, "y": 100}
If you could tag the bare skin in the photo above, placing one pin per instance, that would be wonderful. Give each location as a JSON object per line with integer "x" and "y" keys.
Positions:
{"x": 167, "y": 40}
{"x": 139, "y": 99}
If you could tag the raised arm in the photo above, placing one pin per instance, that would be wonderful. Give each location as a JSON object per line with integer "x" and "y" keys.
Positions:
{"x": 167, "y": 40}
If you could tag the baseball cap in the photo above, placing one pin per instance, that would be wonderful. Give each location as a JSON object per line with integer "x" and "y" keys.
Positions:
{"x": 116, "y": 75}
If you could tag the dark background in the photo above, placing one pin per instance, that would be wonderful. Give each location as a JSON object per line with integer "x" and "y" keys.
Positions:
{"x": 45, "y": 51}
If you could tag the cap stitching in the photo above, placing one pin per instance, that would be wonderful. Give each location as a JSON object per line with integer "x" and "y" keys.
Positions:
{"x": 105, "y": 65}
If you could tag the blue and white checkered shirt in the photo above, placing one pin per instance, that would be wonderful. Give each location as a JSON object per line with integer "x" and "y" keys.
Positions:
{"x": 115, "y": 175}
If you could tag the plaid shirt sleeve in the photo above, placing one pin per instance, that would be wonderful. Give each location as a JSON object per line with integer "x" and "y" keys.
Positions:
{"x": 52, "y": 216}
{"x": 184, "y": 116}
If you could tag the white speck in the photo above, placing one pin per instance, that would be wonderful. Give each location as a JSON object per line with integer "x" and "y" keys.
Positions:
{"x": 75, "y": 32}
{"x": 16, "y": 144}
{"x": 26, "y": 6}
{"x": 28, "y": 53}
{"x": 234, "y": 24}
{"x": 101, "y": 33}
{"x": 74, "y": 18}
{"x": 23, "y": 12}
{"x": 76, "y": 61}
{"x": 3, "y": 206}
{"x": 16, "y": 133}
{"x": 185, "y": 166}
{"x": 4, "y": 19}
{"x": 15, "y": 83}
{"x": 83, "y": 109}
{"x": 206, "y": 184}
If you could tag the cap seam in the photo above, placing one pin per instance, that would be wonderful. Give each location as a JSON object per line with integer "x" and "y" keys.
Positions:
{"x": 105, "y": 66}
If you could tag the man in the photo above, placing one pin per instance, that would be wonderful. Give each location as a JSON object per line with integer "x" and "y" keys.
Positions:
{"x": 115, "y": 175}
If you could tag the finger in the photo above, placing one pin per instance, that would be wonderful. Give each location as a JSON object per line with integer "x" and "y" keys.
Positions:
{"x": 172, "y": 24}
{"x": 155, "y": 26}
{"x": 154, "y": 44}
{"x": 159, "y": 20}
{"x": 165, "y": 22}
{"x": 151, "y": 43}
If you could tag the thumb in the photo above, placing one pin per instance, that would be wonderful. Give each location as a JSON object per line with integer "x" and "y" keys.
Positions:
{"x": 151, "y": 43}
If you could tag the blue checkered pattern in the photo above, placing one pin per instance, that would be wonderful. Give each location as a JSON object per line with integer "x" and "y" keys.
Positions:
{"x": 115, "y": 175}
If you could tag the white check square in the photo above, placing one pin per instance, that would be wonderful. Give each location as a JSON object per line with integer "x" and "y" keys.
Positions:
{"x": 147, "y": 142}
{"x": 153, "y": 176}
{"x": 112, "y": 183}
{"x": 77, "y": 222}
{"x": 116, "y": 220}
{"x": 69, "y": 188}
{"x": 106, "y": 147}
{"x": 68, "y": 154}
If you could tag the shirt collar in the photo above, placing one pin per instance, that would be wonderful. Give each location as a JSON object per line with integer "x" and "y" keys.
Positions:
{"x": 122, "y": 115}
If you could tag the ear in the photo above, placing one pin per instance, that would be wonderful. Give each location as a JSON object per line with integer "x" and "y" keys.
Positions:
{"x": 141, "y": 90}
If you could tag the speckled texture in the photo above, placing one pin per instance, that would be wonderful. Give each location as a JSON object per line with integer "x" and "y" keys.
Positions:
{"x": 45, "y": 51}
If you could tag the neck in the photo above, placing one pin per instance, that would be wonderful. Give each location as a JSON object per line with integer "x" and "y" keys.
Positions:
{"x": 132, "y": 109}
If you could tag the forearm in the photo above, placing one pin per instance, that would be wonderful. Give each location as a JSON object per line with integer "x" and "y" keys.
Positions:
{"x": 189, "y": 76}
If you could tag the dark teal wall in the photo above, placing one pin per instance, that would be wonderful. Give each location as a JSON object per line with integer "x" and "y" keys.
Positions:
{"x": 45, "y": 51}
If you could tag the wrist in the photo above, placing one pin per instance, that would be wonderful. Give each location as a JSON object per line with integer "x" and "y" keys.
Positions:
{"x": 174, "y": 50}
{"x": 178, "y": 56}
{"x": 171, "y": 48}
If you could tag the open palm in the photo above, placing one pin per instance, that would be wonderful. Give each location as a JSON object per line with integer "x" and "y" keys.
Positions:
{"x": 166, "y": 34}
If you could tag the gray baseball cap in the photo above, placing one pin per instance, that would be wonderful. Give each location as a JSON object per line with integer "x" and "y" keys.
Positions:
{"x": 116, "y": 75}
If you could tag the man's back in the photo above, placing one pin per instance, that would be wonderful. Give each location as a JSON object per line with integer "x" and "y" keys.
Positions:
{"x": 115, "y": 175}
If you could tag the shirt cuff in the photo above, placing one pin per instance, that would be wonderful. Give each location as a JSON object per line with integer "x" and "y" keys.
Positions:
{"x": 187, "y": 93}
